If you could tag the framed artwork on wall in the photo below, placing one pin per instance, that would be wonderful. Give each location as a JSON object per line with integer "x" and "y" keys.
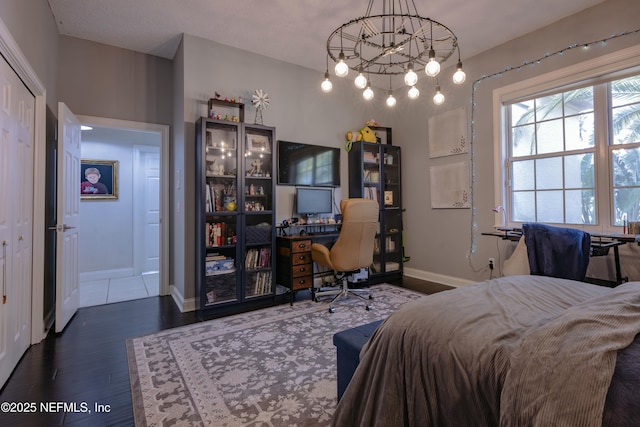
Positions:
{"x": 98, "y": 179}
{"x": 448, "y": 134}
{"x": 450, "y": 186}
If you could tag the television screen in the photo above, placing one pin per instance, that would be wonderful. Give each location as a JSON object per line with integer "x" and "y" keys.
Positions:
{"x": 314, "y": 200}
{"x": 306, "y": 164}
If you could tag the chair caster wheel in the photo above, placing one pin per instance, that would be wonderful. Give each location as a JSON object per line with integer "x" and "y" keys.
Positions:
{"x": 368, "y": 308}
{"x": 332, "y": 310}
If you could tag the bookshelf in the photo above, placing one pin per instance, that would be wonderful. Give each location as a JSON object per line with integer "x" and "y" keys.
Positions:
{"x": 235, "y": 217}
{"x": 375, "y": 173}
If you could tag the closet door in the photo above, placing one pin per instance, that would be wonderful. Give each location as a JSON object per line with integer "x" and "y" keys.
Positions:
{"x": 23, "y": 218}
{"x": 16, "y": 217}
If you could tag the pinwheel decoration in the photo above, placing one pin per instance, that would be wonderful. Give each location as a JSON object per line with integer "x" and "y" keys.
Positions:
{"x": 261, "y": 102}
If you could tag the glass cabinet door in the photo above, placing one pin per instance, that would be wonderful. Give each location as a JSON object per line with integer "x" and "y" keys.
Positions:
{"x": 221, "y": 168}
{"x": 371, "y": 172}
{"x": 221, "y": 226}
{"x": 258, "y": 211}
{"x": 391, "y": 177}
{"x": 392, "y": 240}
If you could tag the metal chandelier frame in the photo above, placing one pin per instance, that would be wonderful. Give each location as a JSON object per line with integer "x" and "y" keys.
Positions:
{"x": 392, "y": 41}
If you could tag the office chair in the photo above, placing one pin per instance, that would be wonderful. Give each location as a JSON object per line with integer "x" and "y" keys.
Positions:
{"x": 352, "y": 250}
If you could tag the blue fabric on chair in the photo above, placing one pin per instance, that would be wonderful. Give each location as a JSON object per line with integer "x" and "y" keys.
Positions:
{"x": 557, "y": 251}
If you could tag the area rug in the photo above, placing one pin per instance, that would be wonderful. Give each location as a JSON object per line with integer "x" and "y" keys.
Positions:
{"x": 270, "y": 367}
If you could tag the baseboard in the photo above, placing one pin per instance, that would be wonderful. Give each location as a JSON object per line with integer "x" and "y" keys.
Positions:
{"x": 442, "y": 279}
{"x": 183, "y": 304}
{"x": 90, "y": 276}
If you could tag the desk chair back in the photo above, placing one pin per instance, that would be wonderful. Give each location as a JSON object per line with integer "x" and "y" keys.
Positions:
{"x": 354, "y": 248}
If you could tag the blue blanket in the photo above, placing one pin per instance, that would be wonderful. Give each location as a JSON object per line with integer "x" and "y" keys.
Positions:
{"x": 557, "y": 251}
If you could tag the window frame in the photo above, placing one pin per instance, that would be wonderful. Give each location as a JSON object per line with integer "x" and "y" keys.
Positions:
{"x": 593, "y": 72}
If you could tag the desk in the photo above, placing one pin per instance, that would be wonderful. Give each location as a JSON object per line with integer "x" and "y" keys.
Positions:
{"x": 294, "y": 268}
{"x": 600, "y": 245}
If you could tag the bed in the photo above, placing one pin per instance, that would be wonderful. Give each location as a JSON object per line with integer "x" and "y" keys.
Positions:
{"x": 513, "y": 351}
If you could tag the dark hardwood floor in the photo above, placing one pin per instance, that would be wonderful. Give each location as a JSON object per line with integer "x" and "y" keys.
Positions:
{"x": 88, "y": 363}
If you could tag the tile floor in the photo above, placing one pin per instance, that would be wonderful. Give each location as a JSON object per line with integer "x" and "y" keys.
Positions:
{"x": 98, "y": 292}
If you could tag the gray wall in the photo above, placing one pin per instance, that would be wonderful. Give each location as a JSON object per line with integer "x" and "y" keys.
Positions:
{"x": 105, "y": 81}
{"x": 439, "y": 241}
{"x": 298, "y": 110}
{"x": 32, "y": 26}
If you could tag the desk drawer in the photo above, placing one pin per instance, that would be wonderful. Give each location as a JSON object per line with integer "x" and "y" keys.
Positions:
{"x": 301, "y": 246}
{"x": 303, "y": 282}
{"x": 301, "y": 270}
{"x": 301, "y": 258}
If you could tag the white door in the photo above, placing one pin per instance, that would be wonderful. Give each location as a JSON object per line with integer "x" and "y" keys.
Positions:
{"x": 147, "y": 209}
{"x": 16, "y": 218}
{"x": 67, "y": 275}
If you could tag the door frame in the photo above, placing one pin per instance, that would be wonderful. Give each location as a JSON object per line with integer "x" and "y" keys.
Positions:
{"x": 163, "y": 131}
{"x": 16, "y": 59}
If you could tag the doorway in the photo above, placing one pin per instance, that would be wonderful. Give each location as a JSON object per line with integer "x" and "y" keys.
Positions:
{"x": 122, "y": 236}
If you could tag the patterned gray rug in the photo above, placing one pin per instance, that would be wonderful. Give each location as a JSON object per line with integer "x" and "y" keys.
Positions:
{"x": 271, "y": 367}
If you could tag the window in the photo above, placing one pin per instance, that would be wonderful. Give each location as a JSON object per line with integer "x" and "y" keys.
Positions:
{"x": 569, "y": 152}
{"x": 551, "y": 153}
{"x": 625, "y": 148}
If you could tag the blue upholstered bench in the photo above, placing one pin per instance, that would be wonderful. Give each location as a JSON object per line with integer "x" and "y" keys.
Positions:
{"x": 348, "y": 344}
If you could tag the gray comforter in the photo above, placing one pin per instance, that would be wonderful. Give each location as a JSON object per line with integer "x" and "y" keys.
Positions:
{"x": 516, "y": 351}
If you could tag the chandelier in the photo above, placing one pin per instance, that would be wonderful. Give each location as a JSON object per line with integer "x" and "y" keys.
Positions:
{"x": 392, "y": 40}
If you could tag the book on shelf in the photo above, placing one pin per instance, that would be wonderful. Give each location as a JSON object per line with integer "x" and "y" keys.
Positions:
{"x": 258, "y": 258}
{"x": 262, "y": 283}
{"x": 372, "y": 193}
{"x": 369, "y": 157}
{"x": 218, "y": 234}
{"x": 208, "y": 198}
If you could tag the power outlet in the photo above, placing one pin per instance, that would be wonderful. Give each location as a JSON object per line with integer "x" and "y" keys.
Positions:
{"x": 492, "y": 263}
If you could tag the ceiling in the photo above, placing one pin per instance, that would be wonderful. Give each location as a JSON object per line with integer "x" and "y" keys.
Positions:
{"x": 294, "y": 31}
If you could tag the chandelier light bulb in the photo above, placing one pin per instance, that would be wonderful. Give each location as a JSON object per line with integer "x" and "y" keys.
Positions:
{"x": 459, "y": 76}
{"x": 411, "y": 78}
{"x": 368, "y": 94}
{"x": 326, "y": 84}
{"x": 438, "y": 98}
{"x": 433, "y": 66}
{"x": 413, "y": 93}
{"x": 391, "y": 101}
{"x": 342, "y": 69}
{"x": 360, "y": 81}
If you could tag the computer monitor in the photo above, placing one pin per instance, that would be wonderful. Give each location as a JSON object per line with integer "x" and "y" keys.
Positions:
{"x": 310, "y": 201}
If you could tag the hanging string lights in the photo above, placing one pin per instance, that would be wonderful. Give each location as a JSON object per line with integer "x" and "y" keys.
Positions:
{"x": 476, "y": 83}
